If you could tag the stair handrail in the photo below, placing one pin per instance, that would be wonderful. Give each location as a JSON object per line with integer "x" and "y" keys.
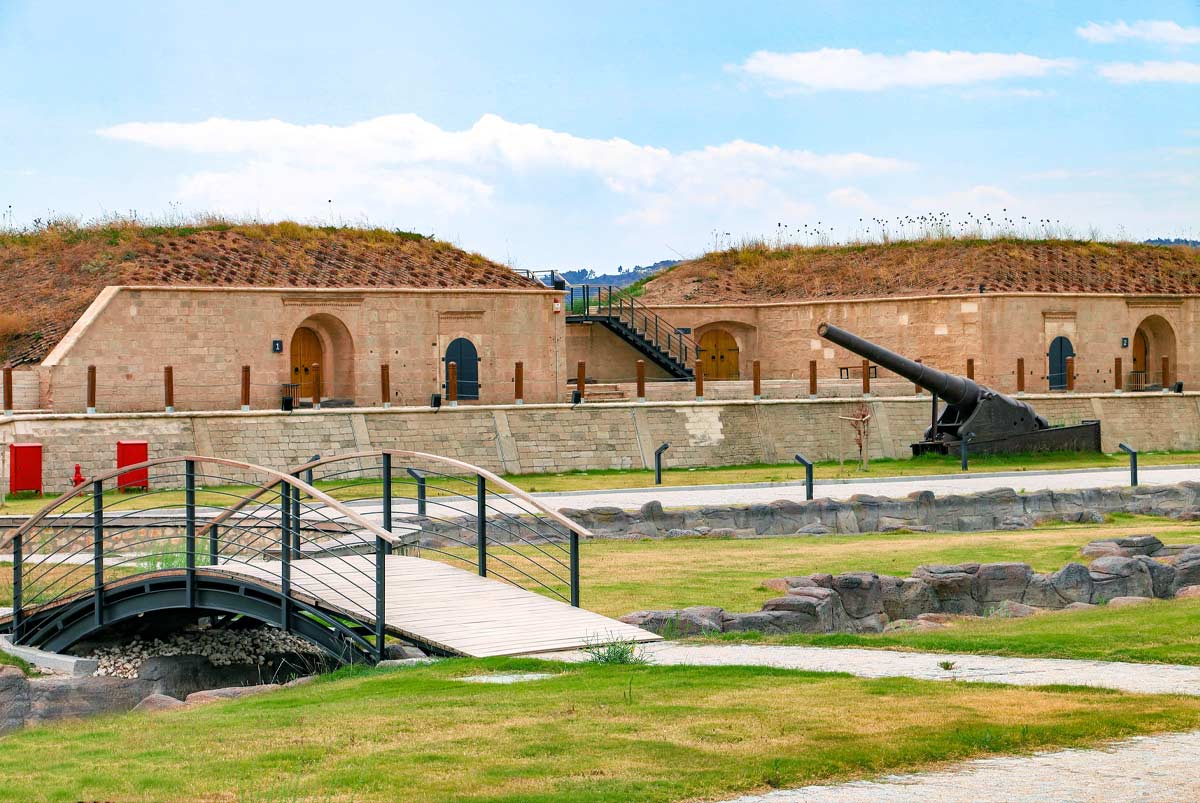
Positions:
{"x": 626, "y": 308}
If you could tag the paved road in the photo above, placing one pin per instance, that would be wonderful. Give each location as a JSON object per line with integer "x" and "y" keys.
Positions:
{"x": 1146, "y": 769}
{"x": 1129, "y": 677}
{"x": 683, "y": 496}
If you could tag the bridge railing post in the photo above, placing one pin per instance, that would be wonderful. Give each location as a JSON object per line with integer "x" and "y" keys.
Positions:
{"x": 420, "y": 478}
{"x": 295, "y": 497}
{"x": 18, "y": 595}
{"x": 189, "y": 521}
{"x": 382, "y": 548}
{"x": 98, "y": 550}
{"x": 575, "y": 568}
{"x": 387, "y": 496}
{"x": 285, "y": 551}
{"x": 481, "y": 523}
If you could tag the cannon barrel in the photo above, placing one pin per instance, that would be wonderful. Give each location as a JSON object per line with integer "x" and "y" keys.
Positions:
{"x": 953, "y": 389}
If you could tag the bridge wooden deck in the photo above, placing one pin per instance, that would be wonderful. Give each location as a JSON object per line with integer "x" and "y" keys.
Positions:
{"x": 453, "y": 610}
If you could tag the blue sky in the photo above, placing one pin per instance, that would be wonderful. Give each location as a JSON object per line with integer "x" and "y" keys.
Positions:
{"x": 553, "y": 135}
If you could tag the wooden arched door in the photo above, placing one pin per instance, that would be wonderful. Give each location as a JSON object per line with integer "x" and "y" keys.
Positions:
{"x": 462, "y": 353}
{"x": 720, "y": 354}
{"x": 306, "y": 350}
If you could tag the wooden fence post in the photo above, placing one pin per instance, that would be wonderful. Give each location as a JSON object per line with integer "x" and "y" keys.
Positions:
{"x": 1020, "y": 374}
{"x": 519, "y": 382}
{"x": 246, "y": 387}
{"x": 866, "y": 377}
{"x": 581, "y": 380}
{"x": 8, "y": 391}
{"x": 699, "y": 373}
{"x": 452, "y": 383}
{"x": 970, "y": 367}
{"x": 316, "y": 380}
{"x": 757, "y": 368}
{"x": 1118, "y": 377}
{"x": 91, "y": 388}
{"x": 1070, "y": 373}
{"x": 169, "y": 388}
{"x": 812, "y": 379}
{"x": 641, "y": 380}
{"x": 385, "y": 385}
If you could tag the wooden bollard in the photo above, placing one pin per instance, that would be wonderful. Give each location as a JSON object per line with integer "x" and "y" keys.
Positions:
{"x": 452, "y": 384}
{"x": 757, "y": 369}
{"x": 8, "y": 391}
{"x": 581, "y": 380}
{"x": 246, "y": 386}
{"x": 169, "y": 388}
{"x": 1070, "y": 373}
{"x": 699, "y": 374}
{"x": 1166, "y": 372}
{"x": 385, "y": 384}
{"x": 970, "y": 367}
{"x": 519, "y": 382}
{"x": 812, "y": 378}
{"x": 91, "y": 388}
{"x": 641, "y": 380}
{"x": 866, "y": 377}
{"x": 316, "y": 382}
{"x": 1020, "y": 374}
{"x": 1118, "y": 377}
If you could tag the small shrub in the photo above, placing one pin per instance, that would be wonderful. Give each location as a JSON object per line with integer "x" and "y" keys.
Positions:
{"x": 615, "y": 652}
{"x": 13, "y": 323}
{"x": 946, "y": 665}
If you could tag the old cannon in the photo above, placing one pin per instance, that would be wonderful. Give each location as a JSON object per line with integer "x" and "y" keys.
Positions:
{"x": 991, "y": 422}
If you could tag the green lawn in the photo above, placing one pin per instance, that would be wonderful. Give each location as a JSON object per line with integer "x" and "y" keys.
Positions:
{"x": 623, "y": 576}
{"x": 629, "y": 478}
{"x": 1163, "y": 631}
{"x": 592, "y": 734}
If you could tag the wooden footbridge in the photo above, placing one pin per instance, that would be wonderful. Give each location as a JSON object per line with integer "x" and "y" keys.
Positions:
{"x": 457, "y": 560}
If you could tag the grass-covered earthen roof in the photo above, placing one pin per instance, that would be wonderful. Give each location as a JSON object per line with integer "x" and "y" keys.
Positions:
{"x": 761, "y": 273}
{"x": 49, "y": 277}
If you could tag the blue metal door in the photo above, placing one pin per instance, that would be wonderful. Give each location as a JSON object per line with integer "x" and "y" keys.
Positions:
{"x": 1060, "y": 349}
{"x": 462, "y": 353}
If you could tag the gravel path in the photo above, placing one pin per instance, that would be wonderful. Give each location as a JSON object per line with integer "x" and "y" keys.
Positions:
{"x": 1144, "y": 678}
{"x": 1146, "y": 769}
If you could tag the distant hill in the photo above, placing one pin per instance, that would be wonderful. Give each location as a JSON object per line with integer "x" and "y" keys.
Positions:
{"x": 622, "y": 278}
{"x": 1173, "y": 241}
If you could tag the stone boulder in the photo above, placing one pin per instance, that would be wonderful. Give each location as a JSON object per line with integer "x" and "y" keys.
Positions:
{"x": 231, "y": 693}
{"x": 1127, "y": 602}
{"x": 1187, "y": 569}
{"x": 1119, "y": 577}
{"x": 1009, "y": 609}
{"x": 997, "y": 582}
{"x": 1071, "y": 583}
{"x": 951, "y": 585}
{"x": 906, "y": 597}
{"x": 1188, "y": 592}
{"x": 810, "y": 609}
{"x": 14, "y": 698}
{"x": 158, "y": 702}
{"x": 912, "y": 626}
{"x": 1162, "y": 576}
{"x": 687, "y": 622}
{"x": 1127, "y": 547}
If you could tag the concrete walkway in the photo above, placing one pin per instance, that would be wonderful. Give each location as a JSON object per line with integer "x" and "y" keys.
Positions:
{"x": 1141, "y": 678}
{"x": 697, "y": 496}
{"x": 1146, "y": 769}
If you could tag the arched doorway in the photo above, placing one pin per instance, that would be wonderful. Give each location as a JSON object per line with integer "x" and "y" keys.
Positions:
{"x": 1153, "y": 340}
{"x": 720, "y": 354}
{"x": 1060, "y": 350}
{"x": 463, "y": 354}
{"x": 306, "y": 350}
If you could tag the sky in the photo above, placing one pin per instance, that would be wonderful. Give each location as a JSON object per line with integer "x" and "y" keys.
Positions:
{"x": 567, "y": 135}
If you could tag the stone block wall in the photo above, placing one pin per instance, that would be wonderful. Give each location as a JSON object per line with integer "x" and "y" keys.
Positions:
{"x": 552, "y": 438}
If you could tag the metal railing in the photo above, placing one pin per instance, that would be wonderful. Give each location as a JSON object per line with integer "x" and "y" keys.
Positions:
{"x": 604, "y": 301}
{"x": 314, "y": 542}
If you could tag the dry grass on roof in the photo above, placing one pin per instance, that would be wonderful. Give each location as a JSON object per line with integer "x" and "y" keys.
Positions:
{"x": 51, "y": 275}
{"x": 759, "y": 273}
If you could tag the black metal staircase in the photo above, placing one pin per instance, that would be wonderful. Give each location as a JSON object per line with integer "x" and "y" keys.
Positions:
{"x": 646, "y": 331}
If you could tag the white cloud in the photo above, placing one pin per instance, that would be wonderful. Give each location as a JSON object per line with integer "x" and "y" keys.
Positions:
{"x": 853, "y": 70}
{"x": 1157, "y": 31}
{"x": 404, "y": 162}
{"x": 853, "y": 198}
{"x": 1175, "y": 72}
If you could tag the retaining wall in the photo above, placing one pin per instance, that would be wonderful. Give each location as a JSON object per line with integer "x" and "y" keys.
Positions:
{"x": 557, "y": 437}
